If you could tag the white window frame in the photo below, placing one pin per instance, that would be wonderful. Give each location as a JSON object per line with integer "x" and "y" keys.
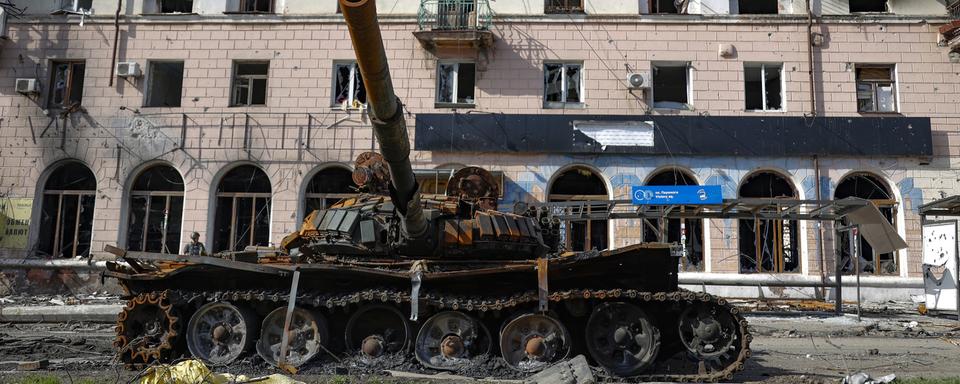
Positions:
{"x": 563, "y": 85}
{"x": 689, "y": 85}
{"x": 763, "y": 87}
{"x": 233, "y": 83}
{"x": 456, "y": 84}
{"x": 895, "y": 85}
{"x": 351, "y": 97}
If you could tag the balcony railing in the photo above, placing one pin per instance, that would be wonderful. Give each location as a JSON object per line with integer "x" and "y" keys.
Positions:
{"x": 454, "y": 15}
{"x": 953, "y": 8}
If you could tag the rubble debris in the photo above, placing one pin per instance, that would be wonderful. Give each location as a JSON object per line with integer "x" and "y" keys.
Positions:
{"x": 863, "y": 378}
{"x": 195, "y": 372}
{"x": 33, "y": 365}
{"x": 573, "y": 371}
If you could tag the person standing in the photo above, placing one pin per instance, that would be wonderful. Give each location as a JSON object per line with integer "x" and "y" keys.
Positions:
{"x": 194, "y": 247}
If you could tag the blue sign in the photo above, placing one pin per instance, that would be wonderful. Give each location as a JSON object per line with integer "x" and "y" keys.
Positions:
{"x": 677, "y": 194}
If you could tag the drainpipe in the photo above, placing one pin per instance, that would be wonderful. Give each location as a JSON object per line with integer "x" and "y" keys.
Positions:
{"x": 116, "y": 39}
{"x": 813, "y": 101}
{"x": 819, "y": 234}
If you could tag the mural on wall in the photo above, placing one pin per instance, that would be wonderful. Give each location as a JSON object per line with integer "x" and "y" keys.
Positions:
{"x": 15, "y": 222}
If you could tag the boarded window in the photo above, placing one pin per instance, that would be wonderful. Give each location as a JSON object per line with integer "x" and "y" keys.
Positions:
{"x": 66, "y": 84}
{"x": 581, "y": 184}
{"x": 768, "y": 245}
{"x": 671, "y": 86}
{"x": 763, "y": 86}
{"x": 757, "y": 7}
{"x": 66, "y": 218}
{"x": 866, "y": 186}
{"x": 868, "y": 6}
{"x": 562, "y": 84}
{"x": 165, "y": 84}
{"x": 156, "y": 210}
{"x": 256, "y": 6}
{"x": 348, "y": 85}
{"x": 176, "y": 6}
{"x": 686, "y": 232}
{"x": 563, "y": 6}
{"x": 327, "y": 187}
{"x": 242, "y": 215}
{"x": 250, "y": 82}
{"x": 876, "y": 88}
{"x": 455, "y": 83}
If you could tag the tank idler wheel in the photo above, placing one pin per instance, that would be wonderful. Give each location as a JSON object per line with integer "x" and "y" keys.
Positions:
{"x": 147, "y": 329}
{"x": 622, "y": 339}
{"x": 376, "y": 330}
{"x": 305, "y": 337}
{"x": 532, "y": 342}
{"x": 219, "y": 332}
{"x": 709, "y": 334}
{"x": 448, "y": 340}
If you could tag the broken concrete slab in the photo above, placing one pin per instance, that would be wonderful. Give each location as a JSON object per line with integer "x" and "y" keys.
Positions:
{"x": 573, "y": 371}
{"x": 98, "y": 313}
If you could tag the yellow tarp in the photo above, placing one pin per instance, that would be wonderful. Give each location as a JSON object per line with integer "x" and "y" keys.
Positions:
{"x": 195, "y": 372}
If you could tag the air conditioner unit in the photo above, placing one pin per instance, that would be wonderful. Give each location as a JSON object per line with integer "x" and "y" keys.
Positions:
{"x": 28, "y": 86}
{"x": 128, "y": 69}
{"x": 639, "y": 80}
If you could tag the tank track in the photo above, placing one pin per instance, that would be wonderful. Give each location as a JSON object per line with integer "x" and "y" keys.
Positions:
{"x": 480, "y": 304}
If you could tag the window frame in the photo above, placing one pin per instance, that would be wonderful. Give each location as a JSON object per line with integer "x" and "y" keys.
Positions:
{"x": 688, "y": 106}
{"x": 242, "y": 5}
{"x": 581, "y": 103}
{"x": 68, "y": 92}
{"x": 895, "y": 89}
{"x": 763, "y": 86}
{"x": 455, "y": 90}
{"x": 565, "y": 9}
{"x": 234, "y": 83}
{"x": 148, "y": 83}
{"x": 886, "y": 7}
{"x": 351, "y": 96}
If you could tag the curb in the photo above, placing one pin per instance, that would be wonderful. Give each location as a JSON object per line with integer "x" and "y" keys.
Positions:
{"x": 96, "y": 313}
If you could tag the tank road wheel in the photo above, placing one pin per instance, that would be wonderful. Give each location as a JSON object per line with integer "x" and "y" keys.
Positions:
{"x": 709, "y": 334}
{"x": 531, "y": 342}
{"x": 449, "y": 339}
{"x": 305, "y": 337}
{"x": 622, "y": 339}
{"x": 147, "y": 329}
{"x": 218, "y": 333}
{"x": 376, "y": 329}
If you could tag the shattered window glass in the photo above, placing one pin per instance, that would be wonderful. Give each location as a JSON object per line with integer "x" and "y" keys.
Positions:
{"x": 250, "y": 83}
{"x": 66, "y": 83}
{"x": 156, "y": 210}
{"x": 455, "y": 83}
{"x": 572, "y": 78}
{"x": 445, "y": 83}
{"x": 870, "y": 187}
{"x": 327, "y": 187}
{"x": 66, "y": 219}
{"x": 563, "y": 6}
{"x": 242, "y": 214}
{"x": 562, "y": 84}
{"x": 581, "y": 184}
{"x": 876, "y": 90}
{"x": 763, "y": 87}
{"x": 553, "y": 82}
{"x": 348, "y": 85}
{"x": 768, "y": 246}
{"x": 692, "y": 240}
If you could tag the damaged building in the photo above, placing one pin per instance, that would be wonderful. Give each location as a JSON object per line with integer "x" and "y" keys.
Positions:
{"x": 141, "y": 124}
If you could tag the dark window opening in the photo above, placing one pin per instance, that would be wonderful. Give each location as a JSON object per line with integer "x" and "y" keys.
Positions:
{"x": 165, "y": 86}
{"x": 768, "y": 245}
{"x": 176, "y": 6}
{"x": 250, "y": 83}
{"x": 763, "y": 89}
{"x": 563, "y": 6}
{"x": 562, "y": 84}
{"x": 348, "y": 85}
{"x": 757, "y": 7}
{"x": 242, "y": 216}
{"x": 328, "y": 187}
{"x": 868, "y": 6}
{"x": 866, "y": 186}
{"x": 581, "y": 184}
{"x": 76, "y": 5}
{"x": 455, "y": 14}
{"x": 687, "y": 232}
{"x": 156, "y": 210}
{"x": 455, "y": 83}
{"x": 66, "y": 218}
{"x": 256, "y": 6}
{"x": 876, "y": 89}
{"x": 670, "y": 86}
{"x": 663, "y": 6}
{"x": 66, "y": 84}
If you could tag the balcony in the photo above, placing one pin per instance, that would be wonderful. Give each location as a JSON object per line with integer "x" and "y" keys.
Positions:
{"x": 451, "y": 28}
{"x": 950, "y": 33}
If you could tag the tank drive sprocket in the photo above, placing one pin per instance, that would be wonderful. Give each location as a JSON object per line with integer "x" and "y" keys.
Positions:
{"x": 147, "y": 329}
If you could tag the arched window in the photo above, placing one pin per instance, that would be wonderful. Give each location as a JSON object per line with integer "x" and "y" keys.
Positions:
{"x": 242, "y": 209}
{"x": 156, "y": 210}
{"x": 66, "y": 219}
{"x": 581, "y": 184}
{"x": 327, "y": 187}
{"x": 687, "y": 232}
{"x": 768, "y": 245}
{"x": 870, "y": 187}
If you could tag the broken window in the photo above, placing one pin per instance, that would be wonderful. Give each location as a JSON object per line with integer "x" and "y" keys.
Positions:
{"x": 757, "y": 7}
{"x": 329, "y": 186}
{"x": 581, "y": 184}
{"x": 66, "y": 219}
{"x": 455, "y": 14}
{"x": 455, "y": 83}
{"x": 76, "y": 5}
{"x": 763, "y": 86}
{"x": 164, "y": 84}
{"x": 156, "y": 210}
{"x": 242, "y": 209}
{"x": 768, "y": 245}
{"x": 348, "y": 85}
{"x": 563, "y": 6}
{"x": 562, "y": 84}
{"x": 876, "y": 88}
{"x": 857, "y": 6}
{"x": 665, "y": 6}
{"x": 867, "y": 186}
{"x": 176, "y": 6}
{"x": 66, "y": 84}
{"x": 686, "y": 232}
{"x": 250, "y": 82}
{"x": 671, "y": 87}
{"x": 256, "y": 6}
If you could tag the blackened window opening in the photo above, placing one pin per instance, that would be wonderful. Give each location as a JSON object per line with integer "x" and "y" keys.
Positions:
{"x": 563, "y": 6}
{"x": 156, "y": 210}
{"x": 768, "y": 245}
{"x": 166, "y": 84}
{"x": 242, "y": 216}
{"x": 670, "y": 86}
{"x": 870, "y": 187}
{"x": 671, "y": 230}
{"x": 581, "y": 184}
{"x": 348, "y": 85}
{"x": 328, "y": 187}
{"x": 757, "y": 7}
{"x": 66, "y": 218}
{"x": 256, "y": 6}
{"x": 663, "y": 6}
{"x": 176, "y": 6}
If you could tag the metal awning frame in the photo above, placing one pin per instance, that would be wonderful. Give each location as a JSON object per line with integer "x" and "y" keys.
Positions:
{"x": 947, "y": 206}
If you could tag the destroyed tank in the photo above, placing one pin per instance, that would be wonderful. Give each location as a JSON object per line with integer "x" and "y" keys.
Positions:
{"x": 448, "y": 281}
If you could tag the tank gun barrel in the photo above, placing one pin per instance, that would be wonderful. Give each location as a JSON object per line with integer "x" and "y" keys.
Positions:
{"x": 386, "y": 110}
